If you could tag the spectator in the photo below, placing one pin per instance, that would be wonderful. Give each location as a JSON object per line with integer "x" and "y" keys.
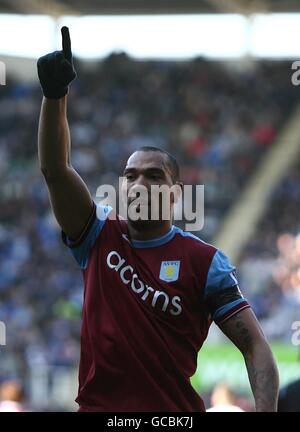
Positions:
{"x": 11, "y": 396}
{"x": 223, "y": 400}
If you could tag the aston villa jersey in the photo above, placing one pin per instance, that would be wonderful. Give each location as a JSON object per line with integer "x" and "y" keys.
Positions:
{"x": 148, "y": 306}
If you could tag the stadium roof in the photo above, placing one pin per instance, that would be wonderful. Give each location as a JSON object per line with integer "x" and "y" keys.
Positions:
{"x": 183, "y": 28}
{"x": 95, "y": 7}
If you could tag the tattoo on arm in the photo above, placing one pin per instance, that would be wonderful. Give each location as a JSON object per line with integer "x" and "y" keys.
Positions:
{"x": 243, "y": 332}
{"x": 264, "y": 384}
{"x": 261, "y": 367}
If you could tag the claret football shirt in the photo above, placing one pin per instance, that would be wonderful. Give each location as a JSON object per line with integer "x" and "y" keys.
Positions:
{"x": 147, "y": 309}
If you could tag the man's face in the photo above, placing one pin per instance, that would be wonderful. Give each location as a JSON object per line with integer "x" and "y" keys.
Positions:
{"x": 143, "y": 171}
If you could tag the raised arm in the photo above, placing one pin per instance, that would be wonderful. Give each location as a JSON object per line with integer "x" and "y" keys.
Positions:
{"x": 244, "y": 331}
{"x": 70, "y": 199}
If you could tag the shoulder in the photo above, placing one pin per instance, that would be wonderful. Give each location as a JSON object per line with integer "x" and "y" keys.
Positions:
{"x": 205, "y": 255}
{"x": 112, "y": 224}
{"x": 194, "y": 244}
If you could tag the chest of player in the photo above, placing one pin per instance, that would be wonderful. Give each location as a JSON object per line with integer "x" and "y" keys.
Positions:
{"x": 161, "y": 279}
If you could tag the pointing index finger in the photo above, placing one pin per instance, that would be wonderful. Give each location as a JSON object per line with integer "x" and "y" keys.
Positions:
{"x": 66, "y": 43}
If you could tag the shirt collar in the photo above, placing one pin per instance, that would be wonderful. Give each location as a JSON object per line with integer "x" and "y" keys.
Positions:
{"x": 159, "y": 241}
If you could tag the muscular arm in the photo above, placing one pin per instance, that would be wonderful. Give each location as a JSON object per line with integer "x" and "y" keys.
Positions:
{"x": 70, "y": 199}
{"x": 245, "y": 332}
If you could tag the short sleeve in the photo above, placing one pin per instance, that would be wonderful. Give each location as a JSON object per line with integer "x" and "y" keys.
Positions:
{"x": 82, "y": 246}
{"x": 222, "y": 294}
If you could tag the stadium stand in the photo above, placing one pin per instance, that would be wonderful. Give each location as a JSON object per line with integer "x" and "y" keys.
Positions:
{"x": 219, "y": 120}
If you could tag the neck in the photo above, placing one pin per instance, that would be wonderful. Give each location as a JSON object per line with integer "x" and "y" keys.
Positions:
{"x": 150, "y": 234}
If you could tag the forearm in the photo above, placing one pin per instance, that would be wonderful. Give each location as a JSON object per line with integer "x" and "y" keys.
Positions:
{"x": 53, "y": 135}
{"x": 263, "y": 377}
{"x": 70, "y": 198}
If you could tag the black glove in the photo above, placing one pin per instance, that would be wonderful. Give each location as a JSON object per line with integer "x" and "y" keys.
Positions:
{"x": 55, "y": 70}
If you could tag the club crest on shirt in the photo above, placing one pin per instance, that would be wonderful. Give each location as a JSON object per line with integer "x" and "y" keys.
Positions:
{"x": 169, "y": 271}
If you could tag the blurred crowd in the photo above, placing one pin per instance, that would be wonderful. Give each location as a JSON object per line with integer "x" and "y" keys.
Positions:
{"x": 270, "y": 265}
{"x": 217, "y": 119}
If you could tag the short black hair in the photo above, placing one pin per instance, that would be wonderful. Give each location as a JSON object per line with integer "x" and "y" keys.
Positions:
{"x": 171, "y": 161}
